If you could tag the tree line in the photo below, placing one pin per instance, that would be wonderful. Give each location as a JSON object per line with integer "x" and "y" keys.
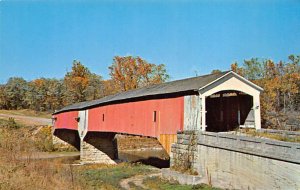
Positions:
{"x": 281, "y": 84}
{"x": 280, "y": 81}
{"x": 80, "y": 84}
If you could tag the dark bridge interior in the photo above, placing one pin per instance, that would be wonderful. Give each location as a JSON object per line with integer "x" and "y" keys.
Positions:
{"x": 226, "y": 110}
{"x": 69, "y": 136}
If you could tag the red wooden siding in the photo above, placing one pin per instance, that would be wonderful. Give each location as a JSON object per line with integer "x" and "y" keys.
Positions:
{"x": 66, "y": 120}
{"x": 137, "y": 117}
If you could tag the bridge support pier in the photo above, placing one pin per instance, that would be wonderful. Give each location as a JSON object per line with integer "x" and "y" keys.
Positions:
{"x": 97, "y": 147}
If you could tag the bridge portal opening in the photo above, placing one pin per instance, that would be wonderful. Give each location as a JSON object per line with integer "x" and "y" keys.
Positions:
{"x": 228, "y": 110}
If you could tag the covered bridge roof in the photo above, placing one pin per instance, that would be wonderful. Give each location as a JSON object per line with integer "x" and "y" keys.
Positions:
{"x": 184, "y": 85}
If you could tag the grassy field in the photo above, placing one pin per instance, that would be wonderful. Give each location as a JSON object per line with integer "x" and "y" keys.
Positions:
{"x": 109, "y": 177}
{"x": 104, "y": 177}
{"x": 158, "y": 183}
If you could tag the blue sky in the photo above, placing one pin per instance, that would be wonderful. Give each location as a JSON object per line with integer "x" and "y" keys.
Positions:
{"x": 42, "y": 38}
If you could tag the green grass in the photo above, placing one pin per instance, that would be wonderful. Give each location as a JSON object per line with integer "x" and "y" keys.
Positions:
{"x": 109, "y": 177}
{"x": 160, "y": 184}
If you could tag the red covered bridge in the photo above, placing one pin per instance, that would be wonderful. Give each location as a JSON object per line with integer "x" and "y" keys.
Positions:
{"x": 215, "y": 102}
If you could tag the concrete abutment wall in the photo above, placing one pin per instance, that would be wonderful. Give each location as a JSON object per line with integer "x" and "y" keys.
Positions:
{"x": 239, "y": 162}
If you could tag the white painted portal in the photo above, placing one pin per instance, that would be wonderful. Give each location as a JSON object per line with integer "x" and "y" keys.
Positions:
{"x": 82, "y": 123}
{"x": 233, "y": 84}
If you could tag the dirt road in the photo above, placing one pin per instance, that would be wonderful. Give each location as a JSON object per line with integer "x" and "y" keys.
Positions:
{"x": 27, "y": 120}
{"x": 51, "y": 155}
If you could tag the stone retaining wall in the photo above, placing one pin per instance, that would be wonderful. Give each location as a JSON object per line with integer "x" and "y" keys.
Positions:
{"x": 184, "y": 152}
{"x": 285, "y": 151}
{"x": 239, "y": 162}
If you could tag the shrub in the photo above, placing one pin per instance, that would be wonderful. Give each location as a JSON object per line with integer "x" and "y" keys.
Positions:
{"x": 12, "y": 123}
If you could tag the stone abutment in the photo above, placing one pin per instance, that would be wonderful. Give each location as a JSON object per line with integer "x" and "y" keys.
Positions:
{"x": 98, "y": 147}
{"x": 238, "y": 162}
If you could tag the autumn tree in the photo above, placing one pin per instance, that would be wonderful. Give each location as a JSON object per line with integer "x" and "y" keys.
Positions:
{"x": 110, "y": 87}
{"x": 280, "y": 81}
{"x": 76, "y": 82}
{"x": 81, "y": 84}
{"x": 134, "y": 72}
{"x": 291, "y": 84}
{"x": 235, "y": 68}
{"x": 95, "y": 87}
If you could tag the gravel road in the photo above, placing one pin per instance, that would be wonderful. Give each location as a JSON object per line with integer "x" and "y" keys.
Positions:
{"x": 28, "y": 120}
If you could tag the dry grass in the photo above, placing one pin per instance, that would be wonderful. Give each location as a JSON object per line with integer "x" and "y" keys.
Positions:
{"x": 273, "y": 136}
{"x": 18, "y": 169}
{"x": 17, "y": 173}
{"x": 25, "y": 138}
